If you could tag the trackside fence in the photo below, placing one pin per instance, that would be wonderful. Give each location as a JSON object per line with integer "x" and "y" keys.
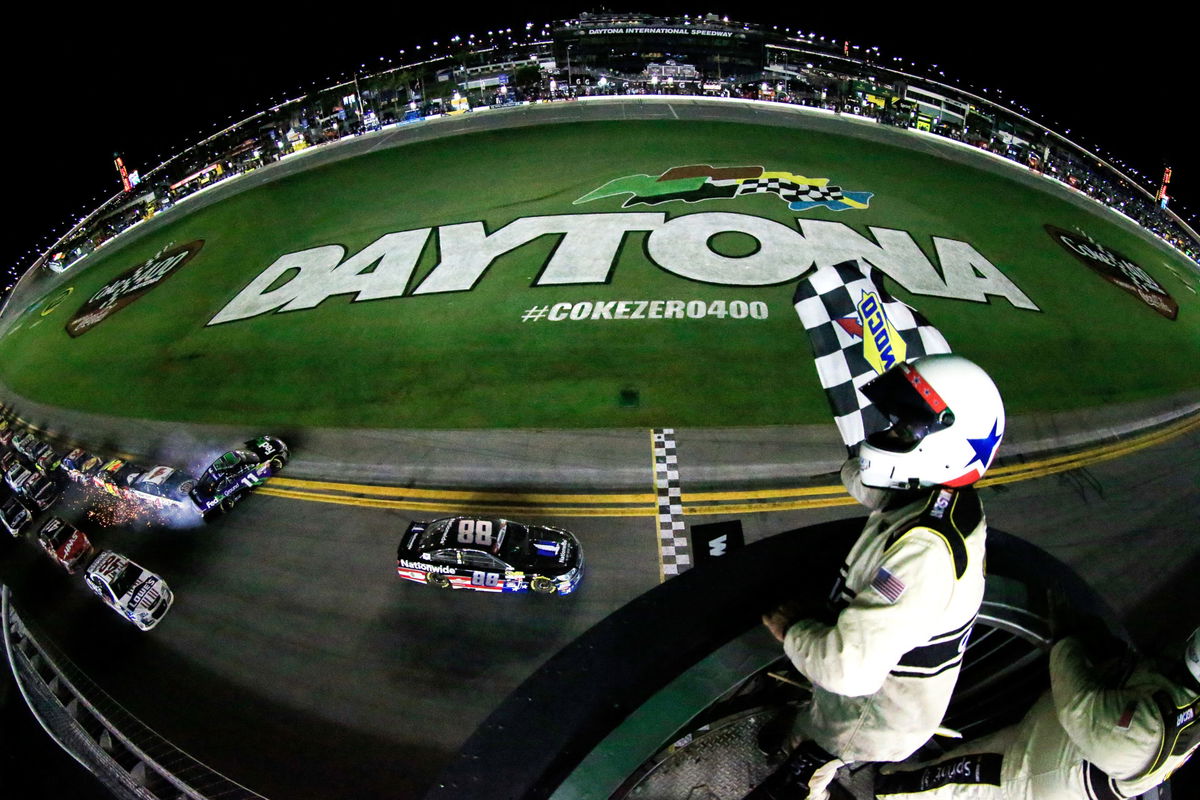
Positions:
{"x": 128, "y": 758}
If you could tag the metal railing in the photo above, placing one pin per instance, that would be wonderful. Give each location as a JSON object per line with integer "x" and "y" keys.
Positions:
{"x": 128, "y": 758}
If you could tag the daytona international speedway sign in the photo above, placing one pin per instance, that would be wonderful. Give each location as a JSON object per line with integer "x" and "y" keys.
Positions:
{"x": 587, "y": 249}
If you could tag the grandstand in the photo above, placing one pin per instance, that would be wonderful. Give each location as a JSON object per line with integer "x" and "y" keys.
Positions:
{"x": 606, "y": 53}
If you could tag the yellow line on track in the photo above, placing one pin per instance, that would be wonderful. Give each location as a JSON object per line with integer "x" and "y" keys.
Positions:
{"x": 410, "y": 505}
{"x": 696, "y": 503}
{"x": 465, "y": 496}
{"x": 644, "y": 504}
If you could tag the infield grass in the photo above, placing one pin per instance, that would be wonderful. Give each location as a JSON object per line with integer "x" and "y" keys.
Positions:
{"x": 466, "y": 359}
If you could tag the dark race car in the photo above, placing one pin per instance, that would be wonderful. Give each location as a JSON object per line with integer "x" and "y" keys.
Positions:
{"x": 80, "y": 465}
{"x": 66, "y": 544}
{"x": 228, "y": 479}
{"x": 490, "y": 555}
{"x": 14, "y": 514}
{"x": 37, "y": 489}
{"x": 114, "y": 476}
{"x": 24, "y": 442}
{"x": 161, "y": 487}
{"x": 43, "y": 457}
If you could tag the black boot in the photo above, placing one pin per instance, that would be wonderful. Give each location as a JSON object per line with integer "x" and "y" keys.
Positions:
{"x": 791, "y": 780}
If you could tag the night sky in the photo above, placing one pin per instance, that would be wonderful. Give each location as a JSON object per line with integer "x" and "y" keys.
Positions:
{"x": 102, "y": 82}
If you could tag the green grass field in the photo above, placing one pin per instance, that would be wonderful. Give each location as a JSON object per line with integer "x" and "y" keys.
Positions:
{"x": 465, "y": 359}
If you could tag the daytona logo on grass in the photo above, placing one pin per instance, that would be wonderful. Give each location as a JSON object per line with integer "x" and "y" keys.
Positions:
{"x": 587, "y": 250}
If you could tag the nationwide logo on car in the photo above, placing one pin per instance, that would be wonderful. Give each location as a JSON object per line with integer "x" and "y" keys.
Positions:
{"x": 883, "y": 347}
{"x": 130, "y": 285}
{"x": 698, "y": 182}
{"x": 426, "y": 567}
{"x": 1117, "y": 269}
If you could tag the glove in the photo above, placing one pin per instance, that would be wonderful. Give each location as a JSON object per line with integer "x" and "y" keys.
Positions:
{"x": 779, "y": 619}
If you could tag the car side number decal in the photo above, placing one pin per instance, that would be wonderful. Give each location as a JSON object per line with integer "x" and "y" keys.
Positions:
{"x": 475, "y": 531}
{"x": 108, "y": 567}
{"x": 481, "y": 578}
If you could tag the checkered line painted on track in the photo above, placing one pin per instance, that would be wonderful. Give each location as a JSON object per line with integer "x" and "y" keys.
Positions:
{"x": 673, "y": 553}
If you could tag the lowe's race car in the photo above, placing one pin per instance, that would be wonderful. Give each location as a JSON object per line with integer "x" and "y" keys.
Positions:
{"x": 490, "y": 555}
{"x": 132, "y": 591}
{"x": 231, "y": 477}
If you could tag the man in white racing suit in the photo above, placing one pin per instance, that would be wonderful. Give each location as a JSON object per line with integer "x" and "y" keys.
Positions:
{"x": 884, "y": 670}
{"x": 1086, "y": 738}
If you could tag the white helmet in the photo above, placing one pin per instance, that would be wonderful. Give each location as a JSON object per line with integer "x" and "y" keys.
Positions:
{"x": 1191, "y": 654}
{"x": 947, "y": 421}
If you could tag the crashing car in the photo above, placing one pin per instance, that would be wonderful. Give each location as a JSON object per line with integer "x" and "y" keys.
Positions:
{"x": 113, "y": 476}
{"x": 14, "y": 514}
{"x": 65, "y": 543}
{"x": 129, "y": 589}
{"x": 161, "y": 487}
{"x": 39, "y": 490}
{"x": 79, "y": 465}
{"x": 228, "y": 479}
{"x": 490, "y": 555}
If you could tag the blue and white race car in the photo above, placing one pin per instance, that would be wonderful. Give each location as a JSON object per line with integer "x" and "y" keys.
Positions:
{"x": 490, "y": 555}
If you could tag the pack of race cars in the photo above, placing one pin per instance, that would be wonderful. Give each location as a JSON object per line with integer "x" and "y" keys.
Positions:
{"x": 481, "y": 554}
{"x": 33, "y": 471}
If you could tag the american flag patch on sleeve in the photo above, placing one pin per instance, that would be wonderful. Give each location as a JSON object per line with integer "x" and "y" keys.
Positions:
{"x": 888, "y": 585}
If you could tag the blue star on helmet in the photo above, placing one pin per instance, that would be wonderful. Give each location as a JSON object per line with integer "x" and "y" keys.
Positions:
{"x": 986, "y": 446}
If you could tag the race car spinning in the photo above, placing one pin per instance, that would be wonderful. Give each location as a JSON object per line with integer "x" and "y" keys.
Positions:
{"x": 228, "y": 479}
{"x": 490, "y": 555}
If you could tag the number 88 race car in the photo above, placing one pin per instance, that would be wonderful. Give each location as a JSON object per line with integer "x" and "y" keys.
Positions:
{"x": 490, "y": 555}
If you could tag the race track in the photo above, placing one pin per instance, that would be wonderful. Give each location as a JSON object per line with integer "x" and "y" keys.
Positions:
{"x": 296, "y": 662}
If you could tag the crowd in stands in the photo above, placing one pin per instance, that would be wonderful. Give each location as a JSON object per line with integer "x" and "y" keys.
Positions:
{"x": 326, "y": 117}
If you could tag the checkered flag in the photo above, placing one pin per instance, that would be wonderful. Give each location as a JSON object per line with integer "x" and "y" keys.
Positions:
{"x": 788, "y": 190}
{"x": 857, "y": 331}
{"x": 822, "y": 194}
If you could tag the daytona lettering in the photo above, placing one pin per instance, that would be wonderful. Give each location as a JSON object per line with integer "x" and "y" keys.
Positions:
{"x": 586, "y": 251}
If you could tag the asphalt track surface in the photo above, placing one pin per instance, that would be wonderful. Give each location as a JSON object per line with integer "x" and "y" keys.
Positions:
{"x": 298, "y": 664}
